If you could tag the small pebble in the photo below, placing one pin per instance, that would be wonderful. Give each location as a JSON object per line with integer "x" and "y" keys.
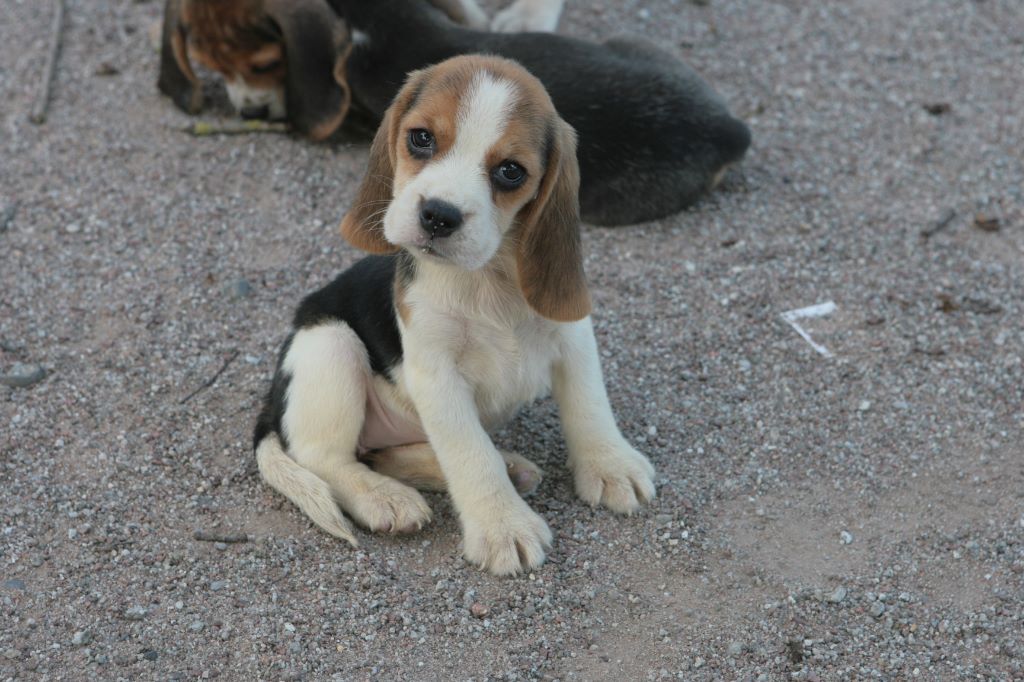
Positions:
{"x": 14, "y": 584}
{"x": 877, "y": 609}
{"x": 845, "y": 537}
{"x": 837, "y": 596}
{"x": 197, "y": 626}
{"x": 478, "y": 610}
{"x": 864, "y": 405}
{"x": 22, "y": 375}
{"x": 218, "y": 585}
{"x": 7, "y": 216}
{"x": 81, "y": 638}
{"x": 240, "y": 288}
{"x": 735, "y": 648}
{"x": 135, "y": 613}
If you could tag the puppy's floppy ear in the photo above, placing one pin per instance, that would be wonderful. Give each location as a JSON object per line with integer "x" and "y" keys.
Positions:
{"x": 363, "y": 225}
{"x": 549, "y": 256}
{"x": 315, "y": 43}
{"x": 177, "y": 80}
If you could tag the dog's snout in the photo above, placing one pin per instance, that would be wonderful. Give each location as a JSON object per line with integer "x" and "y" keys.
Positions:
{"x": 439, "y": 218}
{"x": 250, "y": 112}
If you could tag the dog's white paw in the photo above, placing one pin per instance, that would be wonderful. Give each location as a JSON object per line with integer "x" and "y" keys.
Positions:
{"x": 528, "y": 15}
{"x": 507, "y": 538}
{"x": 475, "y": 17}
{"x": 389, "y": 507}
{"x": 615, "y": 475}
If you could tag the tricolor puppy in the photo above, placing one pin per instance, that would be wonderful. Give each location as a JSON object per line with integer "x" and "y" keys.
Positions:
{"x": 476, "y": 304}
{"x": 280, "y": 59}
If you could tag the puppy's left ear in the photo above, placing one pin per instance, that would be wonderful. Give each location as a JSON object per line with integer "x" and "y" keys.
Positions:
{"x": 550, "y": 256}
{"x": 177, "y": 80}
{"x": 316, "y": 44}
{"x": 363, "y": 225}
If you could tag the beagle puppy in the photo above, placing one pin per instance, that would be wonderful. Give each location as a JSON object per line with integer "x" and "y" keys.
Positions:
{"x": 653, "y": 136}
{"x": 278, "y": 58}
{"x": 474, "y": 305}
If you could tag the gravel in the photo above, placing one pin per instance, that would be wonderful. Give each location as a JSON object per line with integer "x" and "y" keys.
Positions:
{"x": 762, "y": 453}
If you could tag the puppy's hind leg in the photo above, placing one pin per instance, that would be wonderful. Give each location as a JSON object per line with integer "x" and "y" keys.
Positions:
{"x": 326, "y": 405}
{"x": 417, "y": 466}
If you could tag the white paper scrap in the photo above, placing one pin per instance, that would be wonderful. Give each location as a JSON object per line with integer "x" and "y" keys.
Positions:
{"x": 819, "y": 310}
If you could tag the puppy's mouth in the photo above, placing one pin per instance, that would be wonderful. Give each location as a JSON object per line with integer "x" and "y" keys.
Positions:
{"x": 431, "y": 249}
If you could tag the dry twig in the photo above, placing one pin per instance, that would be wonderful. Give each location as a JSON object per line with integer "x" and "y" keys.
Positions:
{"x": 226, "y": 538}
{"x": 212, "y": 380}
{"x": 205, "y": 129}
{"x": 38, "y": 115}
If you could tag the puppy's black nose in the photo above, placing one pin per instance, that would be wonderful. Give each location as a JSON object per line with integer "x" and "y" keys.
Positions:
{"x": 260, "y": 112}
{"x": 439, "y": 218}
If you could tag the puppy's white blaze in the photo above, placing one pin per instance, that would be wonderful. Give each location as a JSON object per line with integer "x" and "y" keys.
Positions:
{"x": 482, "y": 117}
{"x": 461, "y": 177}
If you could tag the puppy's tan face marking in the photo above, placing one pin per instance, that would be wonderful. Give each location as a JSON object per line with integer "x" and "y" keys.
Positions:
{"x": 472, "y": 140}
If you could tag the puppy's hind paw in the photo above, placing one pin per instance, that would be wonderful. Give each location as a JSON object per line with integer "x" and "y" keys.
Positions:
{"x": 525, "y": 475}
{"x": 390, "y": 507}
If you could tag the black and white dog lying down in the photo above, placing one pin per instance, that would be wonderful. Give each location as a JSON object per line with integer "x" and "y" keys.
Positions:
{"x": 653, "y": 135}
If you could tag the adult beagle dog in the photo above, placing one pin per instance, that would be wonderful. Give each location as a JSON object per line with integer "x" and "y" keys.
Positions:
{"x": 280, "y": 59}
{"x": 653, "y": 136}
{"x": 474, "y": 305}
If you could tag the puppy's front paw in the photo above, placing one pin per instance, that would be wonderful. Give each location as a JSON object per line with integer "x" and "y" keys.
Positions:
{"x": 524, "y": 15}
{"x": 615, "y": 475}
{"x": 507, "y": 538}
{"x": 390, "y": 507}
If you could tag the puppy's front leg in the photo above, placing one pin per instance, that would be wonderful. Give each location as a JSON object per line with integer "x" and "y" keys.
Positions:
{"x": 500, "y": 532}
{"x": 606, "y": 468}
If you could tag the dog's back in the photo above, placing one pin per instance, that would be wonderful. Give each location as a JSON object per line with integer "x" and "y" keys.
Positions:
{"x": 653, "y": 135}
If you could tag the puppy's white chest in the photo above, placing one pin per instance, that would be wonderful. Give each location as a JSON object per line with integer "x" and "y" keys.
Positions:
{"x": 507, "y": 367}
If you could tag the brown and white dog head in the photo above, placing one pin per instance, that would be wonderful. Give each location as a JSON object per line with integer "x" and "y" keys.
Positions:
{"x": 471, "y": 157}
{"x": 280, "y": 59}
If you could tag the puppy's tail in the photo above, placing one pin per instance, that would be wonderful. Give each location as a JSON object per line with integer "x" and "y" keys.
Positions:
{"x": 307, "y": 491}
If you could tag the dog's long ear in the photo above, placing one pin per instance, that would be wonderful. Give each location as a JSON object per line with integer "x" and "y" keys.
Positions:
{"x": 315, "y": 40}
{"x": 177, "y": 80}
{"x": 363, "y": 225}
{"x": 549, "y": 256}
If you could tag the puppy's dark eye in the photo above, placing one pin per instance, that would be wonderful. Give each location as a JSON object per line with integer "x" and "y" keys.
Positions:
{"x": 508, "y": 175}
{"x": 265, "y": 68}
{"x": 421, "y": 143}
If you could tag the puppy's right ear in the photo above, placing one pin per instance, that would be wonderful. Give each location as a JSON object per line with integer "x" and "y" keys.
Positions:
{"x": 177, "y": 80}
{"x": 363, "y": 225}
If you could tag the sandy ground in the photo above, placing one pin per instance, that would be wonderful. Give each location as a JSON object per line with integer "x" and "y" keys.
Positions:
{"x": 846, "y": 518}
